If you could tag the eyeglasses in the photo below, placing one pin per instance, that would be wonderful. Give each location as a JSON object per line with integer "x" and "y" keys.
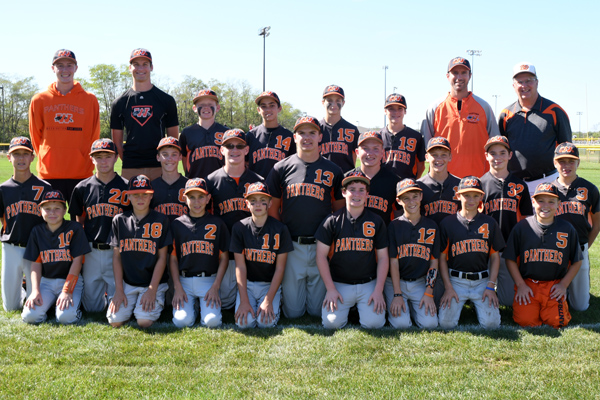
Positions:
{"x": 234, "y": 146}
{"x": 525, "y": 82}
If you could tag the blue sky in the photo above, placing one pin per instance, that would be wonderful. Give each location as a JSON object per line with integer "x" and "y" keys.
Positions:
{"x": 317, "y": 43}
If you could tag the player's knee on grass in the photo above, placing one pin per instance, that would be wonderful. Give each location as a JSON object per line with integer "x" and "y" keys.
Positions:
{"x": 527, "y": 315}
{"x": 371, "y": 320}
{"x": 334, "y": 320}
{"x": 182, "y": 318}
{"x": 33, "y": 316}
{"x": 400, "y": 322}
{"x": 250, "y": 323}
{"x": 69, "y": 316}
{"x": 212, "y": 319}
{"x": 144, "y": 323}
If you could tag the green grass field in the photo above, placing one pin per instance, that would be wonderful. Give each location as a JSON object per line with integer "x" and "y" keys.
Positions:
{"x": 299, "y": 359}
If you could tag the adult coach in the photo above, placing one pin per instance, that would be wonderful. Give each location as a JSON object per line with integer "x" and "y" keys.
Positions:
{"x": 466, "y": 120}
{"x": 534, "y": 126}
{"x": 64, "y": 121}
{"x": 143, "y": 112}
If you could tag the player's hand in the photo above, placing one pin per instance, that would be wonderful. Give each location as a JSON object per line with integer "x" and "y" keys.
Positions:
{"x": 558, "y": 292}
{"x": 378, "y": 302}
{"x": 115, "y": 302}
{"x": 398, "y": 306}
{"x": 241, "y": 314}
{"x": 179, "y": 297}
{"x": 64, "y": 301}
{"x": 266, "y": 312}
{"x": 524, "y": 294}
{"x": 34, "y": 299}
{"x": 449, "y": 294}
{"x": 429, "y": 305}
{"x": 331, "y": 298}
{"x": 212, "y": 298}
{"x": 491, "y": 296}
{"x": 148, "y": 300}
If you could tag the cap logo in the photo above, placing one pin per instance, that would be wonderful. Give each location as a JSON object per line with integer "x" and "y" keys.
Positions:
{"x": 371, "y": 135}
{"x": 458, "y": 60}
{"x": 139, "y": 183}
{"x": 566, "y": 149}
{"x": 407, "y": 183}
{"x": 64, "y": 53}
{"x": 395, "y": 98}
{"x": 544, "y": 187}
{"x": 20, "y": 140}
{"x": 306, "y": 120}
{"x": 52, "y": 195}
{"x": 102, "y": 144}
{"x": 169, "y": 140}
{"x": 496, "y": 139}
{"x": 470, "y": 183}
{"x": 139, "y": 53}
{"x": 205, "y": 92}
{"x": 438, "y": 140}
{"x": 524, "y": 67}
{"x": 267, "y": 93}
{"x": 256, "y": 187}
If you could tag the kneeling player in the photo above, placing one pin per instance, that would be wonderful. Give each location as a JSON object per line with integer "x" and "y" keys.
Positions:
{"x": 414, "y": 252}
{"x": 469, "y": 241}
{"x": 56, "y": 250}
{"x": 139, "y": 239}
{"x": 199, "y": 259}
{"x": 543, "y": 256}
{"x": 260, "y": 245}
{"x": 356, "y": 271}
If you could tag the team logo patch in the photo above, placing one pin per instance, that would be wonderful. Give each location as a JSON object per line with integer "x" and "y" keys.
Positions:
{"x": 524, "y": 67}
{"x": 65, "y": 53}
{"x": 141, "y": 114}
{"x": 63, "y": 118}
{"x": 140, "y": 53}
{"x": 473, "y": 118}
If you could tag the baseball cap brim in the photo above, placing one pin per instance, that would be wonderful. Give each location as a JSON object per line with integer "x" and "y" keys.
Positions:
{"x": 195, "y": 189}
{"x": 102, "y": 151}
{"x": 409, "y": 189}
{"x": 545, "y": 193}
{"x": 470, "y": 190}
{"x": 49, "y": 200}
{"x": 439, "y": 145}
{"x": 566, "y": 156}
{"x": 257, "y": 194}
{"x": 64, "y": 58}
{"x": 20, "y": 147}
{"x": 146, "y": 57}
{"x": 259, "y": 98}
{"x": 309, "y": 124}
{"x": 210, "y": 96}
{"x": 487, "y": 146}
{"x": 348, "y": 180}
{"x": 140, "y": 191}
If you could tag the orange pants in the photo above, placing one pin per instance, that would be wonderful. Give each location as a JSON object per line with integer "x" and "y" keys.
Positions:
{"x": 543, "y": 309}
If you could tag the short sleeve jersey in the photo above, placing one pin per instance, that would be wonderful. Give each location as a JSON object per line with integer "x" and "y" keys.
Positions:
{"x": 138, "y": 242}
{"x": 577, "y": 202}
{"x": 354, "y": 243}
{"x": 144, "y": 116}
{"x": 99, "y": 202}
{"x": 506, "y": 200}
{"x": 260, "y": 246}
{"x": 201, "y": 149}
{"x": 198, "y": 243}
{"x": 307, "y": 191}
{"x": 468, "y": 244}
{"x": 339, "y": 143}
{"x": 382, "y": 193}
{"x": 56, "y": 250}
{"x": 414, "y": 245}
{"x": 543, "y": 253}
{"x": 439, "y": 200}
{"x": 403, "y": 151}
{"x": 19, "y": 208}
{"x": 267, "y": 146}
{"x": 168, "y": 199}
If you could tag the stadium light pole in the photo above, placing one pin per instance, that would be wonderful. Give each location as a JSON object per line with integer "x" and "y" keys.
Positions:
{"x": 385, "y": 68}
{"x": 473, "y": 53}
{"x": 264, "y": 32}
{"x": 2, "y": 88}
{"x": 579, "y": 114}
{"x": 495, "y": 96}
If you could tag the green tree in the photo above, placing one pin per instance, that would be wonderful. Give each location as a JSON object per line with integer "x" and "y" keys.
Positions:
{"x": 15, "y": 106}
{"x": 184, "y": 94}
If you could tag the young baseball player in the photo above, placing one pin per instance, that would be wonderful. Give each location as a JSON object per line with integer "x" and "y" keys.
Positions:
{"x": 382, "y": 189}
{"x": 404, "y": 147}
{"x": 469, "y": 242}
{"x": 354, "y": 274}
{"x": 169, "y": 187}
{"x": 269, "y": 142}
{"x": 199, "y": 260}
{"x": 305, "y": 188}
{"x": 507, "y": 200}
{"x": 19, "y": 197}
{"x": 139, "y": 239}
{"x": 201, "y": 142}
{"x": 579, "y": 204}
{"x": 260, "y": 245}
{"x": 543, "y": 256}
{"x": 227, "y": 186}
{"x": 339, "y": 136}
{"x": 55, "y": 249}
{"x": 95, "y": 201}
{"x": 414, "y": 252}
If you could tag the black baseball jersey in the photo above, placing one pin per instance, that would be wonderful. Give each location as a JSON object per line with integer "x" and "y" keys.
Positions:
{"x": 354, "y": 243}
{"x": 403, "y": 151}
{"x": 468, "y": 245}
{"x": 577, "y": 202}
{"x": 201, "y": 149}
{"x": 339, "y": 143}
{"x": 307, "y": 191}
{"x": 439, "y": 200}
{"x": 414, "y": 245}
{"x": 543, "y": 253}
{"x": 144, "y": 117}
{"x": 228, "y": 200}
{"x": 260, "y": 246}
{"x": 168, "y": 199}
{"x": 382, "y": 193}
{"x": 99, "y": 203}
{"x": 19, "y": 208}
{"x": 56, "y": 250}
{"x": 267, "y": 146}
{"x": 198, "y": 243}
{"x": 138, "y": 242}
{"x": 506, "y": 200}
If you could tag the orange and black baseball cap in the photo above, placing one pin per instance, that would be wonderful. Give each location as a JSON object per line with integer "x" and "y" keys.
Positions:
{"x": 566, "y": 150}
{"x": 257, "y": 188}
{"x": 140, "y": 53}
{"x": 53, "y": 195}
{"x": 234, "y": 134}
{"x": 498, "y": 139}
{"x": 470, "y": 184}
{"x": 312, "y": 121}
{"x": 333, "y": 89}
{"x": 268, "y": 95}
{"x": 64, "y": 54}
{"x": 395, "y": 99}
{"x": 140, "y": 184}
{"x": 355, "y": 176}
{"x": 456, "y": 61}
{"x": 438, "y": 141}
{"x": 370, "y": 135}
{"x": 196, "y": 184}
{"x": 168, "y": 141}
{"x": 211, "y": 94}
{"x": 103, "y": 145}
{"x": 407, "y": 185}
{"x": 546, "y": 188}
{"x": 20, "y": 143}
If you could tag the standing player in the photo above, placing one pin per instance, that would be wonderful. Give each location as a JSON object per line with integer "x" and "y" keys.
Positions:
{"x": 19, "y": 197}
{"x": 269, "y": 142}
{"x": 260, "y": 245}
{"x": 404, "y": 147}
{"x": 339, "y": 136}
{"x": 143, "y": 112}
{"x": 414, "y": 252}
{"x": 139, "y": 239}
{"x": 95, "y": 201}
{"x": 543, "y": 256}
{"x": 55, "y": 249}
{"x": 201, "y": 142}
{"x": 168, "y": 195}
{"x": 469, "y": 242}
{"x": 306, "y": 188}
{"x": 579, "y": 204}
{"x": 382, "y": 188}
{"x": 199, "y": 260}
{"x": 64, "y": 121}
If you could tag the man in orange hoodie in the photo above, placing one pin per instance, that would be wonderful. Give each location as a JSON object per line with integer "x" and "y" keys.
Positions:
{"x": 64, "y": 121}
